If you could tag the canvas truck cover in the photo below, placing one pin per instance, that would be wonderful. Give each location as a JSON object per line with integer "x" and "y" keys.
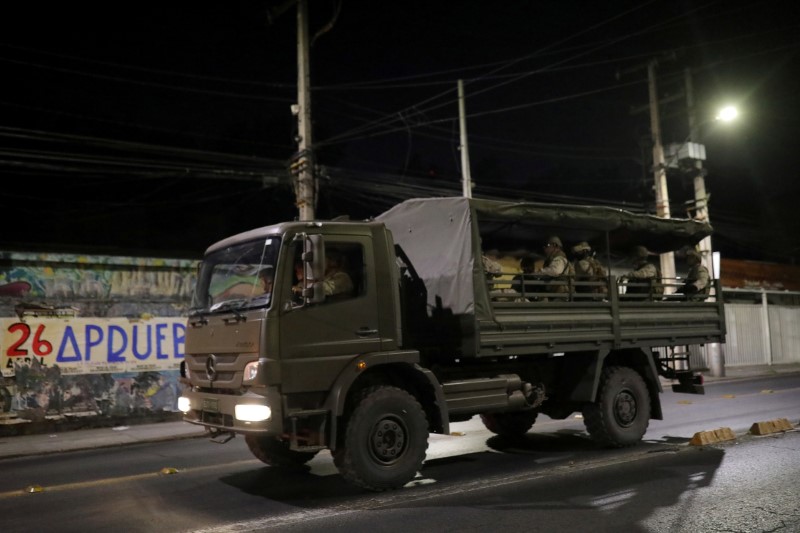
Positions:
{"x": 442, "y": 238}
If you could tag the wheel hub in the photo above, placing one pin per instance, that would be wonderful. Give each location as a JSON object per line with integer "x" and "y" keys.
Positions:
{"x": 388, "y": 439}
{"x": 625, "y": 408}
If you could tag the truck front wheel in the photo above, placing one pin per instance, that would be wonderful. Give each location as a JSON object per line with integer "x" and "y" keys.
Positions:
{"x": 509, "y": 424}
{"x": 621, "y": 413}
{"x": 385, "y": 440}
{"x": 275, "y": 452}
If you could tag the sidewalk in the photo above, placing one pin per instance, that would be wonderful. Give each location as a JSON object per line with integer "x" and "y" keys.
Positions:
{"x": 752, "y": 371}
{"x": 82, "y": 439}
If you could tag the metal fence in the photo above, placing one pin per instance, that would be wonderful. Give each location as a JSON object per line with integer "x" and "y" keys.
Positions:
{"x": 763, "y": 329}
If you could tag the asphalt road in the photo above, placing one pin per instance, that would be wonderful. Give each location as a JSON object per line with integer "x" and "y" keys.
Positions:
{"x": 553, "y": 479}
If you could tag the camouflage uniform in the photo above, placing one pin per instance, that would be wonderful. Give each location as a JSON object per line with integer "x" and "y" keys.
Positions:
{"x": 588, "y": 268}
{"x": 557, "y": 268}
{"x": 698, "y": 280}
{"x": 644, "y": 273}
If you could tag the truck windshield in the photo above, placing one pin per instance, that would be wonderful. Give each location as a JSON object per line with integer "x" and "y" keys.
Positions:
{"x": 238, "y": 277}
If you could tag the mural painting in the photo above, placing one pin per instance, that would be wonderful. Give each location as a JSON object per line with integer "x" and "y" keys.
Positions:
{"x": 90, "y": 336}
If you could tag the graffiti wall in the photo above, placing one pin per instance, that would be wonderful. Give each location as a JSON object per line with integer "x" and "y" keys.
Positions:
{"x": 84, "y": 335}
{"x": 92, "y": 345}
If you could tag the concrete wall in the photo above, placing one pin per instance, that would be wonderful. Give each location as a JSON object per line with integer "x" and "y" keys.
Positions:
{"x": 90, "y": 337}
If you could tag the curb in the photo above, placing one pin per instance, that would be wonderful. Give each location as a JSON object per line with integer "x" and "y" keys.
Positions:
{"x": 77, "y": 441}
{"x": 724, "y": 434}
{"x": 771, "y": 426}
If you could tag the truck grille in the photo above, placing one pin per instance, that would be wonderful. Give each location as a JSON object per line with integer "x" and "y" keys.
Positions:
{"x": 229, "y": 368}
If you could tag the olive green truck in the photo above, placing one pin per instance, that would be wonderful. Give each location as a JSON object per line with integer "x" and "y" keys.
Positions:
{"x": 423, "y": 336}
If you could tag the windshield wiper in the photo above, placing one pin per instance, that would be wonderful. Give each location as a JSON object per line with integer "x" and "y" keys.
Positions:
{"x": 227, "y": 305}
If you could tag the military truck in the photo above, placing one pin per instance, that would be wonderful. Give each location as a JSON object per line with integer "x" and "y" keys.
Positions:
{"x": 425, "y": 337}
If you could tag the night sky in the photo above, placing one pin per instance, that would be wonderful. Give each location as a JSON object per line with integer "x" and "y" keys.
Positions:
{"x": 159, "y": 128}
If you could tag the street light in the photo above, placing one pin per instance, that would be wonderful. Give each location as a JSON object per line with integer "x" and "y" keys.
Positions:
{"x": 690, "y": 155}
{"x": 727, "y": 114}
{"x": 711, "y": 260}
{"x": 716, "y": 357}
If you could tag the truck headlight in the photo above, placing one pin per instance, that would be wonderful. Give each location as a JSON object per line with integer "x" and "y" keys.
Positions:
{"x": 250, "y": 372}
{"x": 184, "y": 404}
{"x": 252, "y": 413}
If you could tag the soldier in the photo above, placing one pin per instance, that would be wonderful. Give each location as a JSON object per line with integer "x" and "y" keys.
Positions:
{"x": 491, "y": 267}
{"x": 698, "y": 280}
{"x": 266, "y": 277}
{"x": 337, "y": 281}
{"x": 645, "y": 275}
{"x": 588, "y": 268}
{"x": 557, "y": 268}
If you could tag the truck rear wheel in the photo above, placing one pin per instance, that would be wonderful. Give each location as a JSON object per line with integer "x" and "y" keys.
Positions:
{"x": 275, "y": 452}
{"x": 509, "y": 424}
{"x": 385, "y": 440}
{"x": 621, "y": 413}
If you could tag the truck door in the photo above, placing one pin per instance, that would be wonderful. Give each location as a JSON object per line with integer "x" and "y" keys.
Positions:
{"x": 318, "y": 340}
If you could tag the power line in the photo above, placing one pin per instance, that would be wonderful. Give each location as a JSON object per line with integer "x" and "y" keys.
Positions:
{"x": 389, "y": 119}
{"x": 226, "y": 80}
{"x": 461, "y": 72}
{"x": 152, "y": 84}
{"x": 141, "y": 126}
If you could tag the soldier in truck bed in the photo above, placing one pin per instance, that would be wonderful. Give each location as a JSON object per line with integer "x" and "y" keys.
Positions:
{"x": 645, "y": 276}
{"x": 588, "y": 268}
{"x": 557, "y": 268}
{"x": 696, "y": 285}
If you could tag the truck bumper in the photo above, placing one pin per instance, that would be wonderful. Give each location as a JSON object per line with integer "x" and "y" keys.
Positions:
{"x": 239, "y": 413}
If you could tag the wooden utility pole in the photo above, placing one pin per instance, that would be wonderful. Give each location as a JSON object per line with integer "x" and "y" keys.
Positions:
{"x": 659, "y": 171}
{"x": 466, "y": 176}
{"x": 303, "y": 166}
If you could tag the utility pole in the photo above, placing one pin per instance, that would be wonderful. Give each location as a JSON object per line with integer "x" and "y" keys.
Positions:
{"x": 303, "y": 165}
{"x": 659, "y": 171}
{"x": 466, "y": 177}
{"x": 714, "y": 352}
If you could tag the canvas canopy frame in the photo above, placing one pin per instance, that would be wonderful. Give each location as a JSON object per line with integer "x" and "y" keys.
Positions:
{"x": 444, "y": 237}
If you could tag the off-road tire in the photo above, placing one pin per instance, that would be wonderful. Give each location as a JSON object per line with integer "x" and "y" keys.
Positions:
{"x": 621, "y": 414}
{"x": 276, "y": 452}
{"x": 509, "y": 424}
{"x": 385, "y": 440}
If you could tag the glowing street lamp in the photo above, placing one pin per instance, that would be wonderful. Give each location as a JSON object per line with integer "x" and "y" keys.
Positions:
{"x": 727, "y": 114}
{"x": 714, "y": 351}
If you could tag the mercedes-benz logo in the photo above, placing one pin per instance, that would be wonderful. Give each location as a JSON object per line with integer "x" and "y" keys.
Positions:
{"x": 211, "y": 367}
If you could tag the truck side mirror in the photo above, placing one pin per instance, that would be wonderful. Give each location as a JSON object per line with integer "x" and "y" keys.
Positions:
{"x": 314, "y": 268}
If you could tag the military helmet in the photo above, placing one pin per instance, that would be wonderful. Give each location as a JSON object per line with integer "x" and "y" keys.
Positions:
{"x": 554, "y": 241}
{"x": 582, "y": 247}
{"x": 640, "y": 252}
{"x": 693, "y": 252}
